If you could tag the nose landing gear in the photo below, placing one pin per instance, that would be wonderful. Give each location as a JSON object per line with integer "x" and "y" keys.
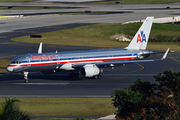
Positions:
{"x": 26, "y": 77}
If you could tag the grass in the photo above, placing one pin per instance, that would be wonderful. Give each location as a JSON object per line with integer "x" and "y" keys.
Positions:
{"x": 113, "y": 1}
{"x": 59, "y": 119}
{"x": 135, "y": 1}
{"x": 98, "y": 35}
{"x": 3, "y": 65}
{"x": 83, "y": 13}
{"x": 44, "y": 7}
{"x": 63, "y": 119}
{"x": 54, "y": 119}
{"x": 65, "y": 106}
{"x": 15, "y": 0}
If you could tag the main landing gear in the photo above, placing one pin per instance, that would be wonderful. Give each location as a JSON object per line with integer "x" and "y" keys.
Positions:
{"x": 97, "y": 77}
{"x": 26, "y": 77}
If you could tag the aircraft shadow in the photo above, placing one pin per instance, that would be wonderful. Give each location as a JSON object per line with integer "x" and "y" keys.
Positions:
{"x": 36, "y": 77}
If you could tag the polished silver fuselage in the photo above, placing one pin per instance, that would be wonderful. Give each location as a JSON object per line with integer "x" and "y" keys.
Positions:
{"x": 65, "y": 60}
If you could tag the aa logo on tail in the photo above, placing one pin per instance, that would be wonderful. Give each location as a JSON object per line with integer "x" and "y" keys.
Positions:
{"x": 141, "y": 37}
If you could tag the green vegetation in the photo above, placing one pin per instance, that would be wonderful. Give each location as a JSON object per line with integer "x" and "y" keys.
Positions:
{"x": 134, "y": 1}
{"x": 66, "y": 106}
{"x": 150, "y": 101}
{"x": 44, "y": 7}
{"x": 98, "y": 35}
{"x": 113, "y": 1}
{"x": 11, "y": 111}
{"x": 15, "y": 0}
{"x": 3, "y": 65}
{"x": 63, "y": 119}
{"x": 83, "y": 13}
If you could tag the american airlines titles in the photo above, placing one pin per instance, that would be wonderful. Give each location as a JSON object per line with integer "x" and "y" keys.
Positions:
{"x": 43, "y": 57}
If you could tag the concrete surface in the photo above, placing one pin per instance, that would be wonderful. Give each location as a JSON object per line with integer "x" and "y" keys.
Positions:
{"x": 109, "y": 117}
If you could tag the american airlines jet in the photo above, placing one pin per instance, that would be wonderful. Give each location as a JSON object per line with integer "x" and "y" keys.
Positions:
{"x": 89, "y": 63}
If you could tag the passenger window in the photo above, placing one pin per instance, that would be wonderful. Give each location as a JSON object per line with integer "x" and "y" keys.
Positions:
{"x": 16, "y": 62}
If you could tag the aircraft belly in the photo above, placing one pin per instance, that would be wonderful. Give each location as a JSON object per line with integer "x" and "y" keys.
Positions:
{"x": 19, "y": 69}
{"x": 43, "y": 68}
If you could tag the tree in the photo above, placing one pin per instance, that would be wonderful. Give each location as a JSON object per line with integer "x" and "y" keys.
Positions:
{"x": 11, "y": 111}
{"x": 169, "y": 81}
{"x": 150, "y": 101}
{"x": 127, "y": 101}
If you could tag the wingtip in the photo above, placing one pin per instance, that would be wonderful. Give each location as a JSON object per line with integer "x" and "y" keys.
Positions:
{"x": 40, "y": 48}
{"x": 165, "y": 54}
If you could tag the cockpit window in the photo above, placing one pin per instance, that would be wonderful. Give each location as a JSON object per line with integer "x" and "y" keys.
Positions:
{"x": 16, "y": 62}
{"x": 13, "y": 62}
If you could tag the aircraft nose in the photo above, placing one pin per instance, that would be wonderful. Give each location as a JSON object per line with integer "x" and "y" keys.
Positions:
{"x": 9, "y": 69}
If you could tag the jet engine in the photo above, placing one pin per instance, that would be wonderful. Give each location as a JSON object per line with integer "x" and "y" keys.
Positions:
{"x": 90, "y": 70}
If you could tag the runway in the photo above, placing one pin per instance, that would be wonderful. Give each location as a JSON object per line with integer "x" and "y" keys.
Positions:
{"x": 59, "y": 84}
{"x": 126, "y": 13}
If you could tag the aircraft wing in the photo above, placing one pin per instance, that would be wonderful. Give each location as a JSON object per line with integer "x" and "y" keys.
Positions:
{"x": 120, "y": 62}
{"x": 114, "y": 63}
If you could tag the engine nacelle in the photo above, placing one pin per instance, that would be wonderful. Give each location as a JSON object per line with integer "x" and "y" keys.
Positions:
{"x": 89, "y": 70}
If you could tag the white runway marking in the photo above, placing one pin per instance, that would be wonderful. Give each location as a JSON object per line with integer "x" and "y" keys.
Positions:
{"x": 42, "y": 83}
{"x": 122, "y": 74}
{"x": 70, "y": 0}
{"x": 138, "y": 74}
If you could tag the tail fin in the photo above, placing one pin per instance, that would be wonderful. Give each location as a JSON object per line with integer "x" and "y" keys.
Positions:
{"x": 140, "y": 40}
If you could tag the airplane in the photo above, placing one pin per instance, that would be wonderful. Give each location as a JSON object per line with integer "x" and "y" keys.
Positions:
{"x": 88, "y": 63}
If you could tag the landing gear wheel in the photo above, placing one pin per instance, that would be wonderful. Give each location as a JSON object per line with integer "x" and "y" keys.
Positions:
{"x": 97, "y": 77}
{"x": 25, "y": 81}
{"x": 26, "y": 77}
